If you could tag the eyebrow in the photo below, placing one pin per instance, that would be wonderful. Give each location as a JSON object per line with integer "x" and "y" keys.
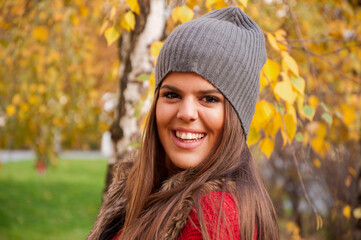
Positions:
{"x": 202, "y": 92}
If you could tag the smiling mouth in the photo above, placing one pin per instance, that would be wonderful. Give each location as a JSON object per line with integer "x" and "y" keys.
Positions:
{"x": 188, "y": 136}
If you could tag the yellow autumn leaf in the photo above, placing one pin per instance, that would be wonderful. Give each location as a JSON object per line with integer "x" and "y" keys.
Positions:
{"x": 321, "y": 131}
{"x": 263, "y": 81}
{"x": 271, "y": 128}
{"x": 289, "y": 63}
{"x": 155, "y": 49}
{"x": 263, "y": 113}
{"x": 299, "y": 84}
{"x": 41, "y": 33}
{"x": 271, "y": 69}
{"x": 320, "y": 146}
{"x": 182, "y": 13}
{"x": 285, "y": 92}
{"x": 272, "y": 41}
{"x": 317, "y": 163}
{"x": 253, "y": 136}
{"x": 151, "y": 84}
{"x": 291, "y": 110}
{"x": 313, "y": 101}
{"x": 128, "y": 21}
{"x": 111, "y": 35}
{"x": 104, "y": 27}
{"x": 347, "y": 211}
{"x": 113, "y": 12}
{"x": 10, "y": 110}
{"x": 134, "y": 6}
{"x": 280, "y": 36}
{"x": 348, "y": 114}
{"x": 267, "y": 145}
{"x": 290, "y": 126}
{"x": 191, "y": 3}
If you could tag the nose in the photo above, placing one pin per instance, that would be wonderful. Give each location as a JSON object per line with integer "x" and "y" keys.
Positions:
{"x": 187, "y": 110}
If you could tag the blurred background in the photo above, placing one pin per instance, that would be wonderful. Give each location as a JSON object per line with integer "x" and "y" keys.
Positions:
{"x": 77, "y": 79}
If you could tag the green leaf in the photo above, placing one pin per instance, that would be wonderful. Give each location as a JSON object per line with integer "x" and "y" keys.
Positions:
{"x": 299, "y": 137}
{"x": 328, "y": 118}
{"x": 111, "y": 35}
{"x": 143, "y": 77}
{"x": 298, "y": 83}
{"x": 323, "y": 105}
{"x": 308, "y": 111}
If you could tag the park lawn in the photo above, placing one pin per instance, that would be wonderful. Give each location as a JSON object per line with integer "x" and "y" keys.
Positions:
{"x": 60, "y": 204}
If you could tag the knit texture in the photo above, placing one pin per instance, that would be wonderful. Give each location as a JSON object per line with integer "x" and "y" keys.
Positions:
{"x": 227, "y": 48}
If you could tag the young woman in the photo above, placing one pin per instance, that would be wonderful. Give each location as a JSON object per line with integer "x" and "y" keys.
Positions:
{"x": 194, "y": 177}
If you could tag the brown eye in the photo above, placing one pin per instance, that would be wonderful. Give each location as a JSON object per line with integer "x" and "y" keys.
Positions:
{"x": 170, "y": 95}
{"x": 210, "y": 99}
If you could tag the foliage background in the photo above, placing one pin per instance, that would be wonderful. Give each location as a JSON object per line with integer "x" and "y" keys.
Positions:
{"x": 57, "y": 76}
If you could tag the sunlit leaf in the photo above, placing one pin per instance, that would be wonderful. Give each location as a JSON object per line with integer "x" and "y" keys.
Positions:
{"x": 113, "y": 12}
{"x": 41, "y": 33}
{"x": 299, "y": 137}
{"x": 289, "y": 63}
{"x": 267, "y": 145}
{"x": 348, "y": 115}
{"x": 143, "y": 77}
{"x": 134, "y": 6}
{"x": 320, "y": 146}
{"x": 272, "y": 41}
{"x": 253, "y": 136}
{"x": 284, "y": 91}
{"x": 263, "y": 113}
{"x": 182, "y": 13}
{"x": 328, "y": 118}
{"x": 290, "y": 126}
{"x": 298, "y": 83}
{"x": 308, "y": 112}
{"x": 10, "y": 110}
{"x": 128, "y": 21}
{"x": 111, "y": 35}
{"x": 347, "y": 211}
{"x": 271, "y": 69}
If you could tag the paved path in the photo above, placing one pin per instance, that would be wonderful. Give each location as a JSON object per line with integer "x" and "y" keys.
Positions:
{"x": 22, "y": 155}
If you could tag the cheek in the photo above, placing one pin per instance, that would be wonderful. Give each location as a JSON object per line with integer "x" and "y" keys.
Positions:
{"x": 215, "y": 121}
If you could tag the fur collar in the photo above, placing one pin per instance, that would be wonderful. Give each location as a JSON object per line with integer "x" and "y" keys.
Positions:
{"x": 115, "y": 202}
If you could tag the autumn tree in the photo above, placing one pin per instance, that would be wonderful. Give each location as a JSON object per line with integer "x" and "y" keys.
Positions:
{"x": 54, "y": 69}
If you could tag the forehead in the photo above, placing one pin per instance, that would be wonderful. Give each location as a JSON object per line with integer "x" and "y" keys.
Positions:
{"x": 187, "y": 81}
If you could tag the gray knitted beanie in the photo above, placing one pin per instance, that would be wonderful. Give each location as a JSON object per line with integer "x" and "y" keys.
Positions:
{"x": 226, "y": 48}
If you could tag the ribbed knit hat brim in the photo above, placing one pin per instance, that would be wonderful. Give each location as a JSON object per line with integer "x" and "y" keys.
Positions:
{"x": 225, "y": 47}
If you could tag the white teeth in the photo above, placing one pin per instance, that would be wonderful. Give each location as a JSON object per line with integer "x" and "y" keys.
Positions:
{"x": 189, "y": 136}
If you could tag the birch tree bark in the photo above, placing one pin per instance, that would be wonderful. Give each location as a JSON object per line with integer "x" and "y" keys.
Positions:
{"x": 135, "y": 59}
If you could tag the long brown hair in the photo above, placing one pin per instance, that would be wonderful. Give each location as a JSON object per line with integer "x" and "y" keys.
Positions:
{"x": 149, "y": 211}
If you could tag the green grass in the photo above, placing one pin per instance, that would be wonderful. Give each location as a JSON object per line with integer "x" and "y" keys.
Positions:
{"x": 60, "y": 204}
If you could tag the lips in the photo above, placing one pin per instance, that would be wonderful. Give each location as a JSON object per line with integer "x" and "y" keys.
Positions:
{"x": 188, "y": 139}
{"x": 189, "y": 135}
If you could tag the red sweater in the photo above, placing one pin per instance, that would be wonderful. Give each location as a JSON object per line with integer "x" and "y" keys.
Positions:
{"x": 210, "y": 206}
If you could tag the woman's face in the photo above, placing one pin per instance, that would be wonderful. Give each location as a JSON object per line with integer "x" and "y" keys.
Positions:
{"x": 190, "y": 118}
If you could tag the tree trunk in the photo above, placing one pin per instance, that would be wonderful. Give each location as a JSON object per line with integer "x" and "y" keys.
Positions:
{"x": 135, "y": 58}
